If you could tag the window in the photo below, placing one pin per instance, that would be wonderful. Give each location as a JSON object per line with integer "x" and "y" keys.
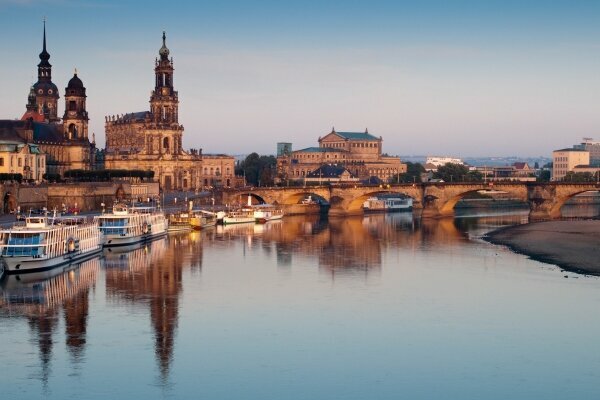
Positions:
{"x": 72, "y": 105}
{"x": 20, "y": 162}
{"x": 1, "y": 161}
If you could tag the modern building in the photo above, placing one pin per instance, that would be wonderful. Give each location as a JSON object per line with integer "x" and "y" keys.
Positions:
{"x": 518, "y": 171}
{"x": 152, "y": 140}
{"x": 432, "y": 163}
{"x": 283, "y": 149}
{"x": 65, "y": 143}
{"x": 593, "y": 147}
{"x": 358, "y": 152}
{"x": 565, "y": 160}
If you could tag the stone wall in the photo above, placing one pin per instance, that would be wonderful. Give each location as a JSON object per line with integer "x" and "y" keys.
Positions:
{"x": 86, "y": 196}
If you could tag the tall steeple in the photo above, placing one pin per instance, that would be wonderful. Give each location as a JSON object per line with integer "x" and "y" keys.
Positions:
{"x": 44, "y": 67}
{"x": 46, "y": 92}
{"x": 164, "y": 102}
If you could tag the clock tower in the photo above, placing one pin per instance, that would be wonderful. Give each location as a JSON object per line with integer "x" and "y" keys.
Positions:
{"x": 164, "y": 102}
{"x": 75, "y": 119}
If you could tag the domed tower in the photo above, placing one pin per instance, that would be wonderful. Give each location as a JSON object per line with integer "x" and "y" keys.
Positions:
{"x": 46, "y": 92}
{"x": 75, "y": 120}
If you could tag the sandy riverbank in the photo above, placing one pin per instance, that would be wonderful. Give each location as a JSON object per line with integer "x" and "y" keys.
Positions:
{"x": 572, "y": 245}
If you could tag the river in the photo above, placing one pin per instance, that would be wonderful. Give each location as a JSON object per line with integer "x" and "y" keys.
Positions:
{"x": 380, "y": 307}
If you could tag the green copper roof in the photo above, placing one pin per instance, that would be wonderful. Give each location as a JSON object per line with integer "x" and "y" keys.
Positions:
{"x": 319, "y": 150}
{"x": 356, "y": 135}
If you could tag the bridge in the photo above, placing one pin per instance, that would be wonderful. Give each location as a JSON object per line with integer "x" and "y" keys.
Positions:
{"x": 433, "y": 199}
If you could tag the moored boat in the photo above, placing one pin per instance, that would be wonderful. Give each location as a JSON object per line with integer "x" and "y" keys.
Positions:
{"x": 239, "y": 216}
{"x": 42, "y": 243}
{"x": 387, "y": 204}
{"x": 180, "y": 221}
{"x": 202, "y": 219}
{"x": 267, "y": 212}
{"x": 129, "y": 225}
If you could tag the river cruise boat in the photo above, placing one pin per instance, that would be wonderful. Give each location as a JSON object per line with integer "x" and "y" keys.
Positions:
{"x": 42, "y": 243}
{"x": 180, "y": 221}
{"x": 388, "y": 204}
{"x": 129, "y": 225}
{"x": 267, "y": 212}
{"x": 202, "y": 219}
{"x": 239, "y": 216}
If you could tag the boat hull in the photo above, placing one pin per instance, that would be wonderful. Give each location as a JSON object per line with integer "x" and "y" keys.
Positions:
{"x": 114, "y": 240}
{"x": 18, "y": 265}
{"x": 238, "y": 220}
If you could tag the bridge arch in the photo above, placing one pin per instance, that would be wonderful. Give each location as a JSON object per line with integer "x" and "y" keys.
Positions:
{"x": 556, "y": 209}
{"x": 255, "y": 198}
{"x": 297, "y": 198}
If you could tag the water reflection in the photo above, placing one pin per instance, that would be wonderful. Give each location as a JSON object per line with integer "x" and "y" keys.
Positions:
{"x": 148, "y": 281}
{"x": 351, "y": 244}
{"x": 151, "y": 276}
{"x": 39, "y": 298}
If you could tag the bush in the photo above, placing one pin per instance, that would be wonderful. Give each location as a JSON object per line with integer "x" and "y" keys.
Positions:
{"x": 5, "y": 177}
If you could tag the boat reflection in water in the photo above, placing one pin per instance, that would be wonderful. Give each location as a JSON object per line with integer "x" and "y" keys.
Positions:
{"x": 39, "y": 298}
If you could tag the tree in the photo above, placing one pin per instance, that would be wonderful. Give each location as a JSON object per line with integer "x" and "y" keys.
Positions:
{"x": 257, "y": 169}
{"x": 578, "y": 177}
{"x": 544, "y": 176}
{"x": 457, "y": 173}
{"x": 536, "y": 165}
{"x": 412, "y": 174}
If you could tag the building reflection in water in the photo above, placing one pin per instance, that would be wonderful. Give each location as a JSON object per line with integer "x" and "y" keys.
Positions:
{"x": 40, "y": 296}
{"x": 352, "y": 244}
{"x": 151, "y": 276}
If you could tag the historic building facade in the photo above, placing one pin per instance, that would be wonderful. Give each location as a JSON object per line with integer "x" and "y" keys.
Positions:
{"x": 358, "y": 152}
{"x": 152, "y": 140}
{"x": 65, "y": 143}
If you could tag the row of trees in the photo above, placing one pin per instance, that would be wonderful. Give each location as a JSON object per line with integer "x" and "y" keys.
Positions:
{"x": 5, "y": 177}
{"x": 258, "y": 170}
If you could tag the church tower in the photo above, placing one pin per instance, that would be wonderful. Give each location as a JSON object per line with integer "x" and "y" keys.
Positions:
{"x": 46, "y": 92}
{"x": 75, "y": 119}
{"x": 164, "y": 103}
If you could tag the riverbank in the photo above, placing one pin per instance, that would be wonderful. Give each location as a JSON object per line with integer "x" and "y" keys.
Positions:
{"x": 572, "y": 245}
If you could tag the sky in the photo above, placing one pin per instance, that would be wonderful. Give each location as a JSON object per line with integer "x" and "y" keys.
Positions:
{"x": 460, "y": 78}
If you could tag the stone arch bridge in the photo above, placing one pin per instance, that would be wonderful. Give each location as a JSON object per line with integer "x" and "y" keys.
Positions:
{"x": 434, "y": 199}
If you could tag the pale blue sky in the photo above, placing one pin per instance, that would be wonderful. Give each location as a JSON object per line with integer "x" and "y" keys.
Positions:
{"x": 466, "y": 78}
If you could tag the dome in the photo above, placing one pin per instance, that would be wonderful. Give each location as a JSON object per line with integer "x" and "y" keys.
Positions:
{"x": 45, "y": 88}
{"x": 75, "y": 82}
{"x": 164, "y": 51}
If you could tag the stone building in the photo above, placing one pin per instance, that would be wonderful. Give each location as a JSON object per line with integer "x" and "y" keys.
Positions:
{"x": 218, "y": 170}
{"x": 152, "y": 140}
{"x": 358, "y": 152}
{"x": 65, "y": 143}
{"x": 17, "y": 154}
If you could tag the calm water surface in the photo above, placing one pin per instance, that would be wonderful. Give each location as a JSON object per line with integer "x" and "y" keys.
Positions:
{"x": 381, "y": 307}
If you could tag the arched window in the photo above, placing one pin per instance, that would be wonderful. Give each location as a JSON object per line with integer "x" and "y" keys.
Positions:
{"x": 166, "y": 144}
{"x": 72, "y": 131}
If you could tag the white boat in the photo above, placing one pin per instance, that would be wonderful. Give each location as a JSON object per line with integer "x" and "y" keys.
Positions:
{"x": 129, "y": 225}
{"x": 42, "y": 243}
{"x": 267, "y": 212}
{"x": 388, "y": 204}
{"x": 239, "y": 216}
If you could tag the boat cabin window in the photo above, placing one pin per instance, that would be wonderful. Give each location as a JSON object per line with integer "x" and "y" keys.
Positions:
{"x": 24, "y": 245}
